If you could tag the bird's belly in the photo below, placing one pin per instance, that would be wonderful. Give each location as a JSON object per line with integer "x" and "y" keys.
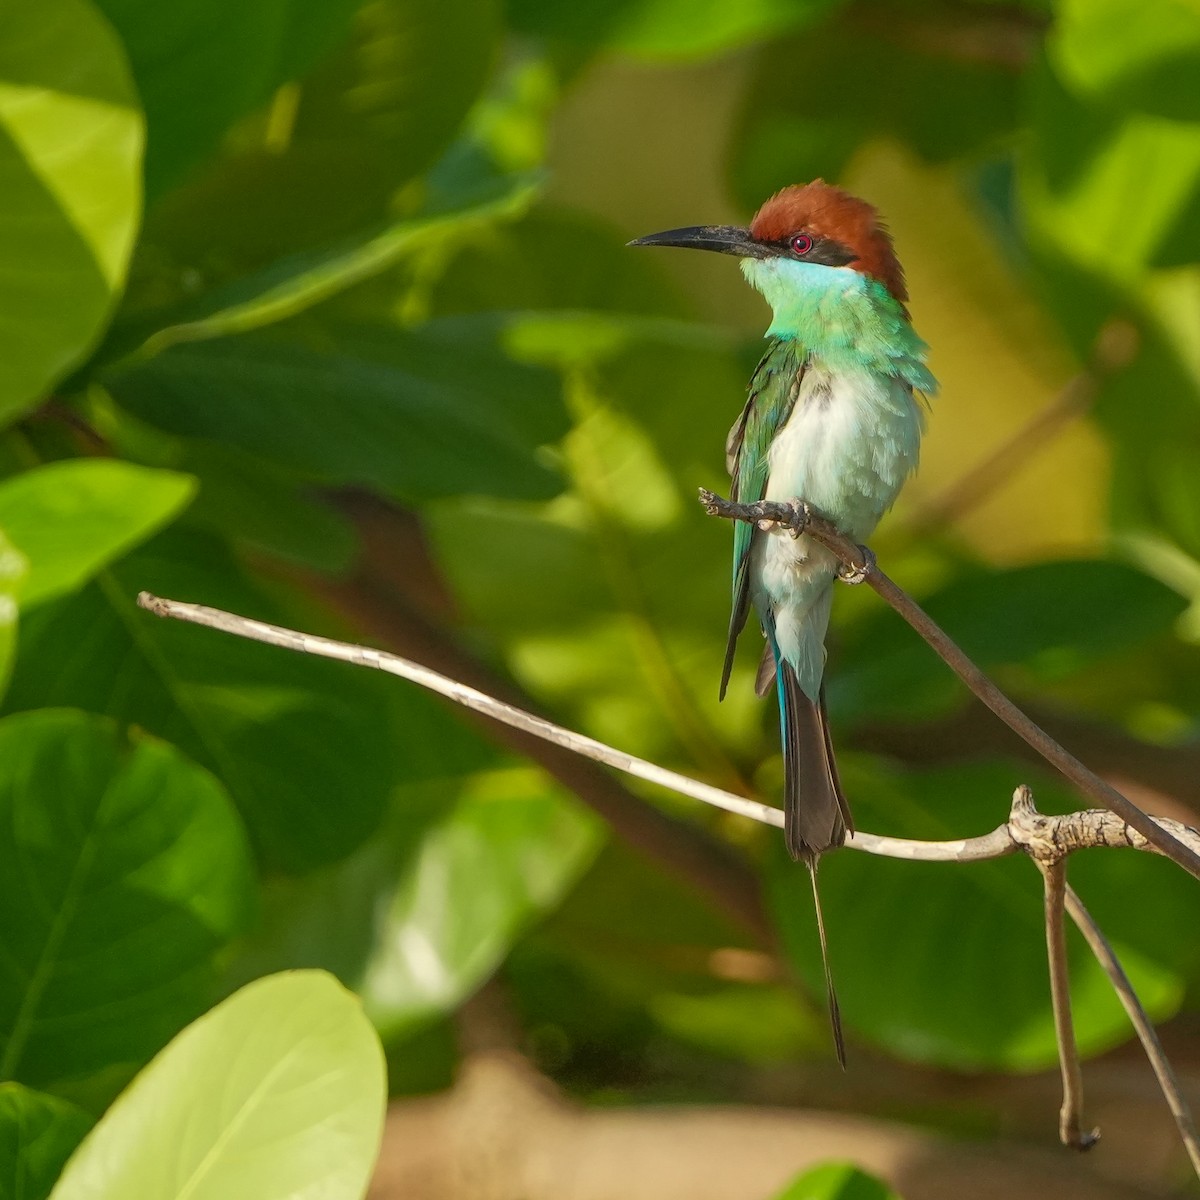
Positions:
{"x": 850, "y": 442}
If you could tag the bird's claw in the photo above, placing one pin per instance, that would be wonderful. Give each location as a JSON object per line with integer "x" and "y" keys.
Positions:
{"x": 798, "y": 522}
{"x": 858, "y": 574}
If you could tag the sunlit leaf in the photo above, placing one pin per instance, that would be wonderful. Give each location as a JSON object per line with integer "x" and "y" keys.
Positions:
{"x": 276, "y": 1094}
{"x": 70, "y": 166}
{"x": 70, "y": 519}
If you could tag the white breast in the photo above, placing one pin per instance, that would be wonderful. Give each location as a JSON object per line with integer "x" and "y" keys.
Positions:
{"x": 850, "y": 442}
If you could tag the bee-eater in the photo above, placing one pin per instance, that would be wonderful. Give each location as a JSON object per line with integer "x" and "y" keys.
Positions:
{"x": 832, "y": 419}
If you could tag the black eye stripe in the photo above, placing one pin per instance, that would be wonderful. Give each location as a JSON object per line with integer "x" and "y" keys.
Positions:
{"x": 827, "y": 252}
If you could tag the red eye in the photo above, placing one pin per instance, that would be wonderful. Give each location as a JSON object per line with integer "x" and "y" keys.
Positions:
{"x": 801, "y": 243}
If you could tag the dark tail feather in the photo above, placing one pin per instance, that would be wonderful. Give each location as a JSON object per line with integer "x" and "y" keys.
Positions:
{"x": 816, "y": 815}
{"x": 835, "y": 1013}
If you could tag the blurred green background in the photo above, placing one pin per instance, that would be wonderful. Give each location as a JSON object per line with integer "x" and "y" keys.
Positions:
{"x": 320, "y": 311}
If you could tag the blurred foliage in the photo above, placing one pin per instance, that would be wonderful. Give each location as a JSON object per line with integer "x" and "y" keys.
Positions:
{"x": 266, "y": 261}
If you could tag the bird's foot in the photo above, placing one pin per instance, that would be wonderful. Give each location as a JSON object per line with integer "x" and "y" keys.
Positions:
{"x": 792, "y": 515}
{"x": 797, "y": 521}
{"x": 858, "y": 574}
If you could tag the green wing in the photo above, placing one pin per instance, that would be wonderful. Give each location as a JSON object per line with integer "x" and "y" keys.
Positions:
{"x": 773, "y": 390}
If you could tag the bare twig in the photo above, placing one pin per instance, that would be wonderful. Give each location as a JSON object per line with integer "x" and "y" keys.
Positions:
{"x": 1142, "y": 1024}
{"x": 1074, "y": 830}
{"x": 1070, "y": 1117}
{"x": 857, "y": 560}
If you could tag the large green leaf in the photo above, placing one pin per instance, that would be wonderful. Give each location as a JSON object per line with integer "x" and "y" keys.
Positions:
{"x": 70, "y": 519}
{"x": 1049, "y": 620}
{"x": 70, "y": 162}
{"x": 945, "y": 963}
{"x": 432, "y": 412}
{"x": 200, "y": 64}
{"x": 277, "y": 1094}
{"x": 504, "y": 853}
{"x": 664, "y": 28}
{"x": 301, "y": 744}
{"x": 836, "y": 1181}
{"x": 37, "y": 1134}
{"x": 1133, "y": 55}
{"x": 127, "y": 869}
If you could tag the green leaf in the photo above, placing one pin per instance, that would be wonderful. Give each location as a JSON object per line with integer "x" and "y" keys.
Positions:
{"x": 37, "y": 1134}
{"x": 127, "y": 870}
{"x": 70, "y": 519}
{"x": 201, "y": 64}
{"x": 1131, "y": 55}
{"x": 276, "y": 1094}
{"x": 503, "y": 854}
{"x": 431, "y": 412}
{"x": 299, "y": 281}
{"x": 945, "y": 963}
{"x": 302, "y": 745}
{"x": 70, "y": 161}
{"x": 664, "y": 29}
{"x": 836, "y": 1181}
{"x": 1050, "y": 619}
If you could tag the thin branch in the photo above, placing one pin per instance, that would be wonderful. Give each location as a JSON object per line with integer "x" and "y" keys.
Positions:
{"x": 1045, "y": 838}
{"x": 460, "y": 693}
{"x": 1142, "y": 1024}
{"x": 1070, "y": 1116}
{"x": 858, "y": 561}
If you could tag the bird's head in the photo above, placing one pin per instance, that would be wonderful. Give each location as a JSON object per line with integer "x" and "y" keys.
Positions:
{"x": 813, "y": 224}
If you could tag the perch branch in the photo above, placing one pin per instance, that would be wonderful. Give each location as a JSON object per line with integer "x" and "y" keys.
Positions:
{"x": 797, "y": 516}
{"x": 1045, "y": 838}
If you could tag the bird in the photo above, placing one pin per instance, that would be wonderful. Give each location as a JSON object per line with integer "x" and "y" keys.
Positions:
{"x": 834, "y": 416}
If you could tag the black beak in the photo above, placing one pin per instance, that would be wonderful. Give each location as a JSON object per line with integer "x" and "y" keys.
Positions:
{"x": 723, "y": 239}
